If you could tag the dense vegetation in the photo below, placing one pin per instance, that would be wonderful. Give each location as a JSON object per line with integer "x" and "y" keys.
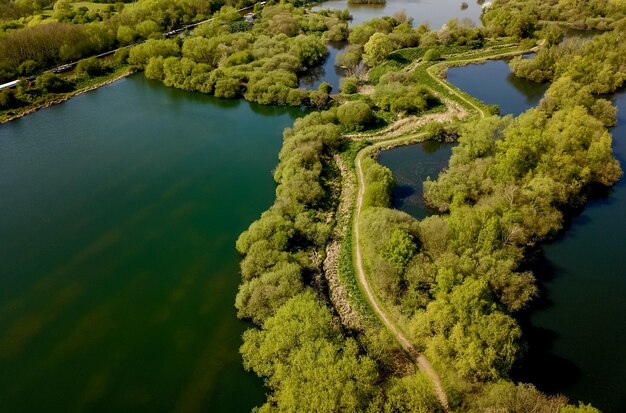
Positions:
{"x": 260, "y": 62}
{"x": 42, "y": 42}
{"x": 522, "y": 18}
{"x": 308, "y": 361}
{"x": 454, "y": 280}
{"x": 48, "y": 86}
{"x": 596, "y": 63}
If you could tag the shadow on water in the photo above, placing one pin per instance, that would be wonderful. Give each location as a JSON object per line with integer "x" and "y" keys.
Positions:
{"x": 326, "y": 72}
{"x": 533, "y": 91}
{"x": 539, "y": 364}
{"x": 411, "y": 166}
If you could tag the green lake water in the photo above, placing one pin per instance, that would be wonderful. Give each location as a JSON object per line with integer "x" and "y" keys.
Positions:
{"x": 119, "y": 212}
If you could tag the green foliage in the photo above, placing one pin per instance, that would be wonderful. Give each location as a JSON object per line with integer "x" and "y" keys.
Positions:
{"x": 9, "y": 99}
{"x": 140, "y": 55}
{"x": 594, "y": 63}
{"x": 349, "y": 85}
{"x": 379, "y": 182}
{"x": 259, "y": 298}
{"x": 51, "y": 83}
{"x": 521, "y": 18}
{"x": 412, "y": 393}
{"x": 355, "y": 114}
{"x": 325, "y": 87}
{"x": 396, "y": 92}
{"x": 376, "y": 49}
{"x": 307, "y": 363}
{"x": 521, "y": 398}
{"x": 28, "y": 68}
{"x": 399, "y": 249}
{"x": 91, "y": 67}
{"x": 432, "y": 55}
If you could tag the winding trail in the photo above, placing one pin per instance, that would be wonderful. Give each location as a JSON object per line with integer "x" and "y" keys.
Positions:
{"x": 422, "y": 361}
{"x": 424, "y": 365}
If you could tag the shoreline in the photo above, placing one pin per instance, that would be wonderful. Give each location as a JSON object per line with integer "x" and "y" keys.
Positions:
{"x": 27, "y": 110}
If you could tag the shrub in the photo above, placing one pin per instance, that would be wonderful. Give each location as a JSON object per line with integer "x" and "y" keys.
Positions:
{"x": 51, "y": 83}
{"x": 432, "y": 55}
{"x": 349, "y": 85}
{"x": 91, "y": 67}
{"x": 355, "y": 114}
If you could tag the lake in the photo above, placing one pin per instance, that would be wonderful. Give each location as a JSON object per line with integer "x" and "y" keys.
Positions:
{"x": 119, "y": 214}
{"x": 435, "y": 13}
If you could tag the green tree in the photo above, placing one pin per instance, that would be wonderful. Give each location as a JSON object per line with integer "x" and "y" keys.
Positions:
{"x": 399, "y": 249}
{"x": 376, "y": 49}
{"x": 355, "y": 114}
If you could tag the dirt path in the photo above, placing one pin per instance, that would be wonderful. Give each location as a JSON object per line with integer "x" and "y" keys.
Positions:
{"x": 422, "y": 361}
{"x": 453, "y": 91}
{"x": 424, "y": 365}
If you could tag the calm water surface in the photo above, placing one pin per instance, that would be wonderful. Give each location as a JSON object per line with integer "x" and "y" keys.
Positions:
{"x": 576, "y": 329}
{"x": 493, "y": 83}
{"x": 435, "y": 13}
{"x": 411, "y": 165}
{"x": 120, "y": 209}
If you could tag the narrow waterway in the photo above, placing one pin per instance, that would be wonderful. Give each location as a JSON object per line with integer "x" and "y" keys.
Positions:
{"x": 411, "y": 165}
{"x": 326, "y": 72}
{"x": 575, "y": 330}
{"x": 120, "y": 209}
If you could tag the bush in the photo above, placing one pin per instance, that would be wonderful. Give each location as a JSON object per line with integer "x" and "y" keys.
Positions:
{"x": 91, "y": 67}
{"x": 349, "y": 85}
{"x": 28, "y": 67}
{"x": 325, "y": 87}
{"x": 355, "y": 114}
{"x": 51, "y": 83}
{"x": 432, "y": 55}
{"x": 8, "y": 99}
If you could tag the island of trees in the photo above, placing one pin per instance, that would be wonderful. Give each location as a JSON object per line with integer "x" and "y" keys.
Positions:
{"x": 453, "y": 282}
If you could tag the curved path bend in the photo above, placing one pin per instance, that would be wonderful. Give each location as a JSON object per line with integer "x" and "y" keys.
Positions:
{"x": 424, "y": 365}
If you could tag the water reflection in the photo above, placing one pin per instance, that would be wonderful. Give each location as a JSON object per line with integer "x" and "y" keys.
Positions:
{"x": 435, "y": 13}
{"x": 493, "y": 83}
{"x": 574, "y": 331}
{"x": 411, "y": 165}
{"x": 326, "y": 72}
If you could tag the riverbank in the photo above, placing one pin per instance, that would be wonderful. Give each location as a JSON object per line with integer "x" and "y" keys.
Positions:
{"x": 55, "y": 99}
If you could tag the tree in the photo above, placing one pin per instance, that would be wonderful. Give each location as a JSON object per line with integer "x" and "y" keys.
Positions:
{"x": 355, "y": 114}
{"x": 51, "y": 83}
{"x": 91, "y": 67}
{"x": 431, "y": 55}
{"x": 399, "y": 249}
{"x": 147, "y": 28}
{"x": 126, "y": 35}
{"x": 309, "y": 366}
{"x": 376, "y": 49}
